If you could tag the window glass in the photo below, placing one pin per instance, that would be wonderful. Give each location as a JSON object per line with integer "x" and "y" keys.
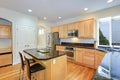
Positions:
{"x": 41, "y": 31}
{"x": 116, "y": 32}
{"x": 104, "y": 32}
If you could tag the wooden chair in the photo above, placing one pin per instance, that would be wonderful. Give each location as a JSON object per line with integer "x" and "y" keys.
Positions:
{"x": 23, "y": 64}
{"x": 32, "y": 69}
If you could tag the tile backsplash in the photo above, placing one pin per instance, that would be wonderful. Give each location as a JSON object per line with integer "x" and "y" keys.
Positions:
{"x": 77, "y": 40}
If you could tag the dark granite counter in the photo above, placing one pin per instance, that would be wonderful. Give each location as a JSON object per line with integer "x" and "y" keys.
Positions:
{"x": 44, "y": 54}
{"x": 87, "y": 47}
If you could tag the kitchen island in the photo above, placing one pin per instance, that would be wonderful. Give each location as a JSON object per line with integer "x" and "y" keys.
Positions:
{"x": 55, "y": 62}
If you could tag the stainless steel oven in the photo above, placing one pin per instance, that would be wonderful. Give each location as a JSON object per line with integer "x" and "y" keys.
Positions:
{"x": 70, "y": 51}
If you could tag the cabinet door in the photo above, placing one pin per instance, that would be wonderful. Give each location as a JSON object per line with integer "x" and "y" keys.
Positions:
{"x": 59, "y": 68}
{"x": 60, "y": 48}
{"x": 89, "y": 28}
{"x": 63, "y": 31}
{"x": 81, "y": 29}
{"x": 79, "y": 55}
{"x": 98, "y": 57}
{"x": 57, "y": 48}
{"x": 5, "y": 31}
{"x": 88, "y": 58}
{"x": 72, "y": 26}
{"x": 5, "y": 59}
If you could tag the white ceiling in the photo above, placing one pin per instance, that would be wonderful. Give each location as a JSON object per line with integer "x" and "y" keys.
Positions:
{"x": 52, "y": 9}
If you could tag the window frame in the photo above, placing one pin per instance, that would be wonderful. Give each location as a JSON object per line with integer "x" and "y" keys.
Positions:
{"x": 110, "y": 34}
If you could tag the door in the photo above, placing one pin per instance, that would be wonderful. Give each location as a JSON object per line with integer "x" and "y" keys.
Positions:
{"x": 25, "y": 38}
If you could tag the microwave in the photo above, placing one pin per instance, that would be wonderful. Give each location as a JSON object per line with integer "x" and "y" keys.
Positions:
{"x": 72, "y": 33}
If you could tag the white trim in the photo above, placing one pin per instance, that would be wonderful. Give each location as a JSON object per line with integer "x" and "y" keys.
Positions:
{"x": 110, "y": 33}
{"x": 110, "y": 30}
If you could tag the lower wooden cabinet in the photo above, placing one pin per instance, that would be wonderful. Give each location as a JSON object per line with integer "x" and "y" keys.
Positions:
{"x": 60, "y": 48}
{"x": 56, "y": 69}
{"x": 5, "y": 59}
{"x": 89, "y": 57}
{"x": 98, "y": 57}
{"x": 79, "y": 55}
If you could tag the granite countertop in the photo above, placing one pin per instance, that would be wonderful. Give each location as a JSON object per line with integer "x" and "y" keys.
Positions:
{"x": 44, "y": 54}
{"x": 87, "y": 47}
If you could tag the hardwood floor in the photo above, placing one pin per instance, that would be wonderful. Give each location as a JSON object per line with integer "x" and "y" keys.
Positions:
{"x": 75, "y": 72}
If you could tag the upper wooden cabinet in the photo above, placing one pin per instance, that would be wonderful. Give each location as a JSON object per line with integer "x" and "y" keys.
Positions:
{"x": 72, "y": 26}
{"x": 55, "y": 29}
{"x": 5, "y": 31}
{"x": 63, "y": 31}
{"x": 86, "y": 28}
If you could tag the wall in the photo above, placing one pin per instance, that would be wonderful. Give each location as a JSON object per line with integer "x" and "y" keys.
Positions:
{"x": 98, "y": 14}
{"x": 18, "y": 20}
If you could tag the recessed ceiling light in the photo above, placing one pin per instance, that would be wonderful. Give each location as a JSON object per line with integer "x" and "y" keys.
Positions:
{"x": 59, "y": 17}
{"x": 29, "y": 10}
{"x": 45, "y": 18}
{"x": 85, "y": 9}
{"x": 109, "y": 1}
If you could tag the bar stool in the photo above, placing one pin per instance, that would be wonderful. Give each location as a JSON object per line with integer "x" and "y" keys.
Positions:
{"x": 23, "y": 63}
{"x": 32, "y": 69}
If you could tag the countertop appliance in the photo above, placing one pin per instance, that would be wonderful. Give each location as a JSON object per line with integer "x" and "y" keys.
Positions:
{"x": 72, "y": 33}
{"x": 70, "y": 51}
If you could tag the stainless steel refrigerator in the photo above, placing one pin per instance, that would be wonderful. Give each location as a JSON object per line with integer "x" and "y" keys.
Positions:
{"x": 53, "y": 40}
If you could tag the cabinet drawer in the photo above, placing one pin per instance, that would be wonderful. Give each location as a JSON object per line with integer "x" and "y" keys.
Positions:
{"x": 5, "y": 59}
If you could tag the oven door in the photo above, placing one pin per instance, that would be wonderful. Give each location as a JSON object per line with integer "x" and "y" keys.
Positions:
{"x": 70, "y": 54}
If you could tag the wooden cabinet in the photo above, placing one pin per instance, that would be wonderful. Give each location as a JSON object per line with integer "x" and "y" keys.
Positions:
{"x": 5, "y": 59}
{"x": 5, "y": 31}
{"x": 98, "y": 57}
{"x": 63, "y": 31}
{"x": 55, "y": 29}
{"x": 60, "y": 48}
{"x": 5, "y": 49}
{"x": 79, "y": 55}
{"x": 72, "y": 26}
{"x": 81, "y": 29}
{"x": 88, "y": 58}
{"x": 56, "y": 69}
{"x": 86, "y": 28}
{"x": 59, "y": 69}
{"x": 85, "y": 57}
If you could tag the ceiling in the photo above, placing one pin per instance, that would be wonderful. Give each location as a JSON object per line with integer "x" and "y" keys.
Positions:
{"x": 52, "y": 9}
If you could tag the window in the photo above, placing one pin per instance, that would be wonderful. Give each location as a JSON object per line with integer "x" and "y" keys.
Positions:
{"x": 41, "y": 31}
{"x": 109, "y": 30}
{"x": 116, "y": 32}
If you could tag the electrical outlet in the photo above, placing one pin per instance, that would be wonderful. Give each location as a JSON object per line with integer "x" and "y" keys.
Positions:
{"x": 54, "y": 61}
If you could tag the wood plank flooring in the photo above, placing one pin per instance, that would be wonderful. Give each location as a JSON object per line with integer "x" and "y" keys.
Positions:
{"x": 75, "y": 72}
